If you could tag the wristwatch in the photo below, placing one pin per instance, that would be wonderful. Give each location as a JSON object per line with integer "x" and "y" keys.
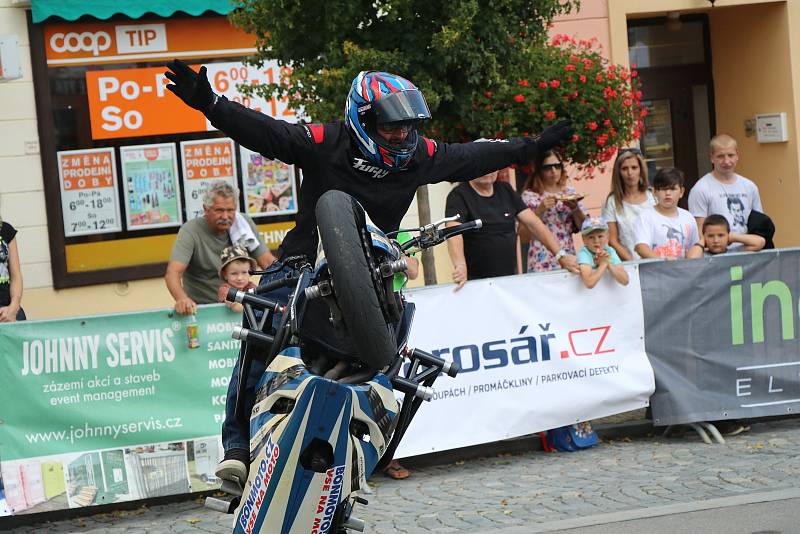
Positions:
{"x": 560, "y": 254}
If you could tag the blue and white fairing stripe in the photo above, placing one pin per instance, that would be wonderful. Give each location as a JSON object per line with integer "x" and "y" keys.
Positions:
{"x": 294, "y": 499}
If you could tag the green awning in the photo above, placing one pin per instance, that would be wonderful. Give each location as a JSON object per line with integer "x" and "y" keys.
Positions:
{"x": 103, "y": 9}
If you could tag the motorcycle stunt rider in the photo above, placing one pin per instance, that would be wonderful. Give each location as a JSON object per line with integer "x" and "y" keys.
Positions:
{"x": 376, "y": 155}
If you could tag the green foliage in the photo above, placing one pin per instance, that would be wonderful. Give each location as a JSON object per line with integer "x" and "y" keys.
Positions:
{"x": 485, "y": 68}
{"x": 453, "y": 50}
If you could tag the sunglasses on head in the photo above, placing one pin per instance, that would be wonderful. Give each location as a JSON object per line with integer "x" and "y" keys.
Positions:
{"x": 632, "y": 150}
{"x": 548, "y": 166}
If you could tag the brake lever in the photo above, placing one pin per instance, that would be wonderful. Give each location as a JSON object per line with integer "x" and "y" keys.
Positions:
{"x": 438, "y": 223}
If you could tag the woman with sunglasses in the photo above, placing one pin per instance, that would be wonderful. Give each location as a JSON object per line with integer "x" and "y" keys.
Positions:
{"x": 557, "y": 204}
{"x": 630, "y": 194}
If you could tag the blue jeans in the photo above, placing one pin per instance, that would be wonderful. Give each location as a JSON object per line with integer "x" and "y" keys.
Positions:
{"x": 233, "y": 436}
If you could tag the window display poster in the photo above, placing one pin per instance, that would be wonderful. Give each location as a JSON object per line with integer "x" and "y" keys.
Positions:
{"x": 269, "y": 186}
{"x": 150, "y": 175}
{"x": 205, "y": 161}
{"x": 89, "y": 196}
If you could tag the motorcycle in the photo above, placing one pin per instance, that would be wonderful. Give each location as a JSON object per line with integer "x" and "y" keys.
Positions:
{"x": 326, "y": 415}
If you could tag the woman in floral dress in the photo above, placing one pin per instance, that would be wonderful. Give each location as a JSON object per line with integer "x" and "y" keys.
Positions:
{"x": 557, "y": 204}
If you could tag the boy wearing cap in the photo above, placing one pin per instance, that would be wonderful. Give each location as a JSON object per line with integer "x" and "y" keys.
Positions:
{"x": 596, "y": 257}
{"x": 235, "y": 272}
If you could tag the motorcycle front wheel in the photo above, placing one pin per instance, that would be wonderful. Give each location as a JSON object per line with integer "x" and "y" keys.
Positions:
{"x": 340, "y": 219}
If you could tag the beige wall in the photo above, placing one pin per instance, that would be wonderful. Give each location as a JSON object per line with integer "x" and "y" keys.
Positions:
{"x": 21, "y": 190}
{"x": 755, "y": 59}
{"x": 753, "y": 74}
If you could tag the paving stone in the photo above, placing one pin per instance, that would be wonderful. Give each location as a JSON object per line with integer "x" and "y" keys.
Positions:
{"x": 533, "y": 486}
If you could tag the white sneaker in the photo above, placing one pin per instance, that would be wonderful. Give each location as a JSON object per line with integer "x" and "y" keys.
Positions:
{"x": 233, "y": 470}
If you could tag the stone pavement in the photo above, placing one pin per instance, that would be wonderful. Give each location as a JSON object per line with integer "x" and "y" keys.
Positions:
{"x": 530, "y": 487}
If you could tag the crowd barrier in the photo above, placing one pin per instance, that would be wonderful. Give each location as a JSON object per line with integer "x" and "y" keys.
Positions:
{"x": 113, "y": 408}
{"x": 721, "y": 334}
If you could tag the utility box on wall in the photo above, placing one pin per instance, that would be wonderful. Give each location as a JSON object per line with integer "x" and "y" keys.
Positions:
{"x": 10, "y": 68}
{"x": 771, "y": 128}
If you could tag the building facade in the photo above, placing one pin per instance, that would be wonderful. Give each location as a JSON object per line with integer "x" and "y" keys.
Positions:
{"x": 88, "y": 98}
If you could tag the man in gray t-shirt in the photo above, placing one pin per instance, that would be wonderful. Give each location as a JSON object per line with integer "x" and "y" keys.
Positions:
{"x": 192, "y": 275}
{"x": 724, "y": 192}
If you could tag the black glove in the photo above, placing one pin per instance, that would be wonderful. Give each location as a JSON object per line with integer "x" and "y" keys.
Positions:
{"x": 190, "y": 86}
{"x": 554, "y": 136}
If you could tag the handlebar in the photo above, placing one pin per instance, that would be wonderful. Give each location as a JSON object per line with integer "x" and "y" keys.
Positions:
{"x": 461, "y": 228}
{"x": 430, "y": 235}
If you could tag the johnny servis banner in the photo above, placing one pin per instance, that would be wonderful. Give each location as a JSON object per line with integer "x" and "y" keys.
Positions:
{"x": 536, "y": 352}
{"x": 104, "y": 409}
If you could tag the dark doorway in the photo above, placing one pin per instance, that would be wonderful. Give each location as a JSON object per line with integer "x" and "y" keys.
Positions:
{"x": 673, "y": 57}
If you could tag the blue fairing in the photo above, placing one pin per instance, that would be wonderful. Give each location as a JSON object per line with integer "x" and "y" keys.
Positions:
{"x": 323, "y": 410}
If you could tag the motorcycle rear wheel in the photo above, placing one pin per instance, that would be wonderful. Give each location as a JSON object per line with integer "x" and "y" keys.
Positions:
{"x": 339, "y": 219}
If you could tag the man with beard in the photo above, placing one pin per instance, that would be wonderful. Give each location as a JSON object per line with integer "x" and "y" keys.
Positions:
{"x": 192, "y": 275}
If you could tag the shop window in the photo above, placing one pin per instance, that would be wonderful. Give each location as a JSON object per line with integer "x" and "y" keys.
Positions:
{"x": 125, "y": 162}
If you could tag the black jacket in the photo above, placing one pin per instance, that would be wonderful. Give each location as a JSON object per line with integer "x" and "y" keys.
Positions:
{"x": 331, "y": 160}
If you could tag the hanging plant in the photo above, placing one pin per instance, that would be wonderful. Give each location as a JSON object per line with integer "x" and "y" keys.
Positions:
{"x": 567, "y": 79}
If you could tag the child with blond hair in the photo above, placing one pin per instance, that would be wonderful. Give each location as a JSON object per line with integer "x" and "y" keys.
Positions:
{"x": 597, "y": 257}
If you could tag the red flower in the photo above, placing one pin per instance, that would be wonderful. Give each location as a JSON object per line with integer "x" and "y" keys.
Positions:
{"x": 627, "y": 102}
{"x": 554, "y": 83}
{"x": 519, "y": 99}
{"x": 599, "y": 78}
{"x": 644, "y": 112}
{"x": 582, "y": 78}
{"x": 575, "y": 138}
{"x": 523, "y": 83}
{"x": 569, "y": 67}
{"x": 542, "y": 85}
{"x": 592, "y": 125}
{"x": 550, "y": 115}
{"x": 488, "y": 94}
{"x": 607, "y": 122}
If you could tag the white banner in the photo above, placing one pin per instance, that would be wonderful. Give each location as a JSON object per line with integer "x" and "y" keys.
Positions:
{"x": 536, "y": 352}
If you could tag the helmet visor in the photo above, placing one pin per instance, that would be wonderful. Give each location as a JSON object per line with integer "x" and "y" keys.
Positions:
{"x": 401, "y": 106}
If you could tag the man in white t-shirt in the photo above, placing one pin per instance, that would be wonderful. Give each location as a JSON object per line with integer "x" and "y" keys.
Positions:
{"x": 666, "y": 231}
{"x": 723, "y": 191}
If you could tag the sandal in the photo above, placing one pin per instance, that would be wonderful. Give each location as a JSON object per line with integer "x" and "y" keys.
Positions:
{"x": 396, "y": 471}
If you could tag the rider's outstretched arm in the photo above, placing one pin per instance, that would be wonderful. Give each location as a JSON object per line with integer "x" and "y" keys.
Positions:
{"x": 290, "y": 143}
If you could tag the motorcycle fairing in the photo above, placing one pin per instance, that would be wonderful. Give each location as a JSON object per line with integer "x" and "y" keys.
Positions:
{"x": 323, "y": 411}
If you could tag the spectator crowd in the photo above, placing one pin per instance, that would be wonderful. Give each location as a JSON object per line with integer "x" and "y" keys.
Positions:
{"x": 640, "y": 219}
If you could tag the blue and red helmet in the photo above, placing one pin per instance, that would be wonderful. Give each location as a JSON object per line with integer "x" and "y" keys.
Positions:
{"x": 379, "y": 98}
